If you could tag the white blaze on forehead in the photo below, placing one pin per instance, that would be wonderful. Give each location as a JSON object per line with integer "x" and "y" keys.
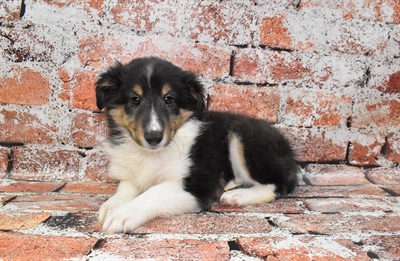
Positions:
{"x": 154, "y": 124}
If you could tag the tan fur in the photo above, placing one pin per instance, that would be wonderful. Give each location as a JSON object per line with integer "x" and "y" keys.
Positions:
{"x": 177, "y": 121}
{"x": 165, "y": 89}
{"x": 138, "y": 90}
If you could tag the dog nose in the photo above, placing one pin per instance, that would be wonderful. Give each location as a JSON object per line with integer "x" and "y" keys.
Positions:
{"x": 153, "y": 137}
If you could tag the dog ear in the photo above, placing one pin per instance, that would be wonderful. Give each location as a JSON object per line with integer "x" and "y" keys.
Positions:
{"x": 197, "y": 94}
{"x": 108, "y": 86}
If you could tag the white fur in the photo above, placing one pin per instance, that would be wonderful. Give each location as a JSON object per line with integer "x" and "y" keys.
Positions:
{"x": 154, "y": 122}
{"x": 150, "y": 181}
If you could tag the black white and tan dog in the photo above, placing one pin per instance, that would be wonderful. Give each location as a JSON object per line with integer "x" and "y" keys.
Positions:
{"x": 172, "y": 156}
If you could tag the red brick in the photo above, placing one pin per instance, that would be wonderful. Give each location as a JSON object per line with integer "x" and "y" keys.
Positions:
{"x": 323, "y": 175}
{"x": 228, "y": 24}
{"x": 83, "y": 91}
{"x": 385, "y": 77}
{"x": 337, "y": 205}
{"x": 392, "y": 189}
{"x": 24, "y": 86}
{"x": 89, "y": 129}
{"x": 26, "y": 186}
{"x": 382, "y": 10}
{"x": 150, "y": 16}
{"x": 338, "y": 191}
{"x": 163, "y": 249}
{"x": 87, "y": 4}
{"x": 261, "y": 66}
{"x": 338, "y": 223}
{"x": 3, "y": 161}
{"x": 365, "y": 148}
{"x": 317, "y": 145}
{"x": 89, "y": 188}
{"x": 301, "y": 248}
{"x": 21, "y": 220}
{"x": 385, "y": 176}
{"x": 97, "y": 167}
{"x": 386, "y": 247}
{"x": 262, "y": 103}
{"x": 57, "y": 202}
{"x": 10, "y": 10}
{"x": 286, "y": 206}
{"x": 393, "y": 147}
{"x": 101, "y": 51}
{"x": 15, "y": 246}
{"x": 5, "y": 198}
{"x": 85, "y": 222}
{"x": 309, "y": 108}
{"x": 381, "y": 114}
{"x": 45, "y": 164}
{"x": 23, "y": 127}
{"x": 206, "y": 224}
{"x": 274, "y": 33}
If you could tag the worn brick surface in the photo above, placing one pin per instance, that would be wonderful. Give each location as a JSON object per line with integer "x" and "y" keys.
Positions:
{"x": 336, "y": 205}
{"x": 339, "y": 223}
{"x": 14, "y": 246}
{"x": 385, "y": 176}
{"x": 392, "y": 189}
{"x": 85, "y": 222}
{"x": 10, "y": 10}
{"x": 3, "y": 161}
{"x": 23, "y": 127}
{"x": 262, "y": 103}
{"x": 393, "y": 147}
{"x": 5, "y": 198}
{"x": 56, "y": 202}
{"x": 163, "y": 249}
{"x": 90, "y": 188}
{"x": 13, "y": 89}
{"x": 387, "y": 246}
{"x": 26, "y": 186}
{"x": 97, "y": 168}
{"x": 334, "y": 175}
{"x": 43, "y": 164}
{"x": 365, "y": 148}
{"x": 21, "y": 220}
{"x": 89, "y": 130}
{"x": 338, "y": 191}
{"x": 210, "y": 223}
{"x": 287, "y": 206}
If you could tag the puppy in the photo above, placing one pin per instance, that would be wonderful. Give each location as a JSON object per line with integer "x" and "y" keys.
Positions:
{"x": 171, "y": 156}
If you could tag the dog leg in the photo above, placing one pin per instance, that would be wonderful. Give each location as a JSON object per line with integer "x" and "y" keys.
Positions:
{"x": 165, "y": 199}
{"x": 126, "y": 191}
{"x": 249, "y": 196}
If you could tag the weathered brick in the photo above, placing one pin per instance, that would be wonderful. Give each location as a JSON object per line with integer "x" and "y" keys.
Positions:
{"x": 392, "y": 189}
{"x": 339, "y": 223}
{"x": 86, "y": 5}
{"x": 4, "y": 152}
{"x": 365, "y": 147}
{"x": 5, "y": 198}
{"x": 262, "y": 103}
{"x": 208, "y": 60}
{"x": 10, "y": 10}
{"x": 24, "y": 86}
{"x": 166, "y": 249}
{"x": 15, "y": 246}
{"x": 21, "y": 220}
{"x": 265, "y": 66}
{"x": 88, "y": 129}
{"x": 97, "y": 167}
{"x": 382, "y": 114}
{"x": 300, "y": 248}
{"x": 323, "y": 175}
{"x": 85, "y": 222}
{"x": 393, "y": 147}
{"x": 336, "y": 205}
{"x": 83, "y": 90}
{"x": 8, "y": 185}
{"x": 23, "y": 127}
{"x": 209, "y": 223}
{"x": 89, "y": 188}
{"x": 386, "y": 176}
{"x": 57, "y": 202}
{"x": 32, "y": 163}
{"x": 338, "y": 191}
{"x": 317, "y": 145}
{"x": 287, "y": 206}
{"x": 309, "y": 108}
{"x": 385, "y": 77}
{"x": 386, "y": 247}
{"x": 221, "y": 23}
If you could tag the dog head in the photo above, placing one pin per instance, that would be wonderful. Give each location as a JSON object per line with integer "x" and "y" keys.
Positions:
{"x": 150, "y": 98}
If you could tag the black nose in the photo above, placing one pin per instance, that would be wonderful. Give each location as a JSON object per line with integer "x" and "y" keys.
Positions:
{"x": 153, "y": 137}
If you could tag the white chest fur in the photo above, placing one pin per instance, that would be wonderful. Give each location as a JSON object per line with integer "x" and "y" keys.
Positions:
{"x": 147, "y": 168}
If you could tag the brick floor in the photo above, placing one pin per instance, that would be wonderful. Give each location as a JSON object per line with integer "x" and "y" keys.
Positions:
{"x": 339, "y": 213}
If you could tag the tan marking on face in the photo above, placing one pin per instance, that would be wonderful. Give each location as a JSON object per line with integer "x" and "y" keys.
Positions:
{"x": 134, "y": 127}
{"x": 179, "y": 120}
{"x": 138, "y": 90}
{"x": 165, "y": 89}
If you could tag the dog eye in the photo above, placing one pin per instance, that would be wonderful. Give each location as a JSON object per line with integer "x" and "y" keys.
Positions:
{"x": 135, "y": 100}
{"x": 168, "y": 100}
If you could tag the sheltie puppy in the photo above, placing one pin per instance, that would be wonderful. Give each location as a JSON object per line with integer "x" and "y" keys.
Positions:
{"x": 172, "y": 156}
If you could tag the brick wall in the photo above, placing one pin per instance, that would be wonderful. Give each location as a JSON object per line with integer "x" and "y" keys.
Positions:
{"x": 327, "y": 73}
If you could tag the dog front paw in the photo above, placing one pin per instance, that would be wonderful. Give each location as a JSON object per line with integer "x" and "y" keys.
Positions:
{"x": 123, "y": 220}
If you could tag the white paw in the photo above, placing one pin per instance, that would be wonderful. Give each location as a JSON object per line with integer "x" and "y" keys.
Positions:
{"x": 106, "y": 207}
{"x": 123, "y": 220}
{"x": 248, "y": 196}
{"x": 232, "y": 197}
